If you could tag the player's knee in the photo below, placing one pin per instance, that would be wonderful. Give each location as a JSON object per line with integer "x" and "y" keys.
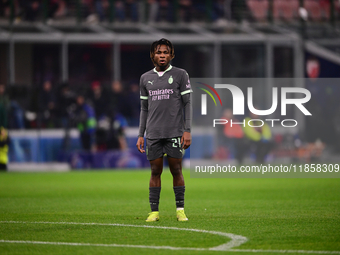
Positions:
{"x": 156, "y": 172}
{"x": 176, "y": 170}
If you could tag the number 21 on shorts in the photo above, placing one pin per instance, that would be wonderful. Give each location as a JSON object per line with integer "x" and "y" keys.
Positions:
{"x": 176, "y": 142}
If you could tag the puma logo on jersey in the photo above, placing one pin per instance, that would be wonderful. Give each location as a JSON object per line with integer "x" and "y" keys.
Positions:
{"x": 150, "y": 82}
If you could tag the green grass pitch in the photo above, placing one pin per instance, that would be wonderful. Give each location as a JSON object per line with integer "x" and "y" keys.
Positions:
{"x": 273, "y": 214}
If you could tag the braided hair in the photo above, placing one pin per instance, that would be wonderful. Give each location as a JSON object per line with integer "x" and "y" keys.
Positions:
{"x": 156, "y": 44}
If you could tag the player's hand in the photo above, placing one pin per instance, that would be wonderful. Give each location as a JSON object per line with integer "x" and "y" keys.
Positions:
{"x": 186, "y": 140}
{"x": 140, "y": 144}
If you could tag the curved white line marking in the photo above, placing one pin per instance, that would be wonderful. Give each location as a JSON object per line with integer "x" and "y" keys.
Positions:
{"x": 166, "y": 247}
{"x": 285, "y": 251}
{"x": 236, "y": 240}
{"x": 103, "y": 245}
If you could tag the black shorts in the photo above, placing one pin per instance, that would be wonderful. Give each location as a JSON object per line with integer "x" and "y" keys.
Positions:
{"x": 156, "y": 148}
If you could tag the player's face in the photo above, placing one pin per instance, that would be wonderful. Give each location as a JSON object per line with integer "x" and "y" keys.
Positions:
{"x": 162, "y": 57}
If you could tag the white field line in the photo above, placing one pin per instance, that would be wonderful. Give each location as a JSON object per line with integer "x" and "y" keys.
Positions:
{"x": 285, "y": 251}
{"x": 166, "y": 247}
{"x": 236, "y": 240}
{"x": 103, "y": 245}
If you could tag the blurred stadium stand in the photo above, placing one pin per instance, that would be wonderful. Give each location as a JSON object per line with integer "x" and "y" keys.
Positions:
{"x": 76, "y": 42}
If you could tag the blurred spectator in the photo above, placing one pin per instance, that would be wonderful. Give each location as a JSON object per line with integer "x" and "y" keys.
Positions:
{"x": 5, "y": 8}
{"x": 153, "y": 10}
{"x": 131, "y": 9}
{"x": 117, "y": 138}
{"x": 119, "y": 101}
{"x": 161, "y": 10}
{"x": 185, "y": 11}
{"x": 133, "y": 97}
{"x": 47, "y": 105}
{"x": 103, "y": 133}
{"x": 227, "y": 9}
{"x": 166, "y": 10}
{"x": 87, "y": 8}
{"x": 100, "y": 100}
{"x": 206, "y": 10}
{"x": 65, "y": 99}
{"x": 218, "y": 9}
{"x": 4, "y": 106}
{"x": 96, "y": 10}
{"x": 120, "y": 11}
{"x": 127, "y": 10}
{"x": 93, "y": 10}
{"x": 310, "y": 152}
{"x": 30, "y": 9}
{"x": 4, "y": 142}
{"x": 102, "y": 8}
{"x": 234, "y": 136}
{"x": 260, "y": 137}
{"x": 56, "y": 8}
{"x": 240, "y": 11}
{"x": 260, "y": 8}
{"x": 119, "y": 109}
{"x": 202, "y": 10}
{"x": 16, "y": 116}
{"x": 85, "y": 120}
{"x": 65, "y": 111}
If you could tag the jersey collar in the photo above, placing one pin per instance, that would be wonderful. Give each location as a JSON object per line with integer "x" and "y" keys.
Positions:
{"x": 160, "y": 75}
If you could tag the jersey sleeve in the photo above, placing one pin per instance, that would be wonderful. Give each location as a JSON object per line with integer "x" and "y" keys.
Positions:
{"x": 143, "y": 92}
{"x": 144, "y": 108}
{"x": 185, "y": 89}
{"x": 185, "y": 86}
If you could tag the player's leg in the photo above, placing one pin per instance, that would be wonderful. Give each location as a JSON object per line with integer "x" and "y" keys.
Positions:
{"x": 175, "y": 155}
{"x": 156, "y": 172}
{"x": 175, "y": 152}
{"x": 175, "y": 165}
{"x": 155, "y": 156}
{"x": 155, "y": 188}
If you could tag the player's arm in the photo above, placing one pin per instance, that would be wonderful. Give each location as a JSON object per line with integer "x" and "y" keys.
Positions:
{"x": 186, "y": 137}
{"x": 142, "y": 125}
{"x": 185, "y": 88}
{"x": 143, "y": 117}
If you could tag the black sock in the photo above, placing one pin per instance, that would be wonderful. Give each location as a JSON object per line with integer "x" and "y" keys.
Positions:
{"x": 179, "y": 196}
{"x": 154, "y": 197}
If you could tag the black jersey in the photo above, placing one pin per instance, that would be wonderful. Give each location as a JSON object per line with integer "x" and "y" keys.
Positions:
{"x": 165, "y": 106}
